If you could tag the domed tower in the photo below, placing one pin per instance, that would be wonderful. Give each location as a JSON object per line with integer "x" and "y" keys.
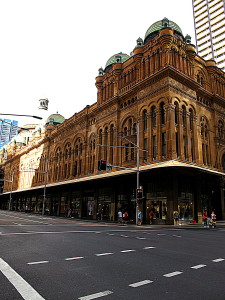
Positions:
{"x": 108, "y": 87}
{"x": 118, "y": 58}
{"x": 154, "y": 29}
{"x": 53, "y": 120}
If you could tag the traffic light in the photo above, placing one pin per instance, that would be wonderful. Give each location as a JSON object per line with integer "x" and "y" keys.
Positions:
{"x": 102, "y": 164}
{"x": 139, "y": 193}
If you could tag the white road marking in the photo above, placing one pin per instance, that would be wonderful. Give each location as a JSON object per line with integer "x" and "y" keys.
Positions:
{"x": 25, "y": 290}
{"x": 140, "y": 283}
{"x": 125, "y": 236}
{"x": 140, "y": 238}
{"x": 97, "y": 295}
{"x": 97, "y": 232}
{"x": 218, "y": 260}
{"x": 72, "y": 258}
{"x": 103, "y": 254}
{"x": 145, "y": 248}
{"x": 179, "y": 236}
{"x": 172, "y": 274}
{"x": 111, "y": 234}
{"x": 38, "y": 262}
{"x": 198, "y": 267}
{"x": 125, "y": 251}
{"x": 161, "y": 234}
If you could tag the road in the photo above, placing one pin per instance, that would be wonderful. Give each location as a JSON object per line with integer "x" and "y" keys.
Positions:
{"x": 66, "y": 259}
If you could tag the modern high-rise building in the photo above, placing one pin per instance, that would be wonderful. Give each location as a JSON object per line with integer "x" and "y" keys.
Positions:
{"x": 209, "y": 18}
{"x": 8, "y": 129}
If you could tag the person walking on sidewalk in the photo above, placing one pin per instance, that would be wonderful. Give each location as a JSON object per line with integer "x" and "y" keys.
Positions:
{"x": 213, "y": 217}
{"x": 205, "y": 218}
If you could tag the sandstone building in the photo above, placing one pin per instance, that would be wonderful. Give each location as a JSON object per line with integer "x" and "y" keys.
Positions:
{"x": 164, "y": 91}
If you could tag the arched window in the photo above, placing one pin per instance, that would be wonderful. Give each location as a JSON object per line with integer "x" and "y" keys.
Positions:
{"x": 111, "y": 141}
{"x": 163, "y": 113}
{"x": 153, "y": 116}
{"x": 130, "y": 127}
{"x": 205, "y": 141}
{"x": 191, "y": 119}
{"x": 223, "y": 162}
{"x": 176, "y": 112}
{"x": 100, "y": 143}
{"x": 145, "y": 121}
{"x": 106, "y": 143}
{"x": 77, "y": 161}
{"x": 220, "y": 129}
{"x": 184, "y": 116}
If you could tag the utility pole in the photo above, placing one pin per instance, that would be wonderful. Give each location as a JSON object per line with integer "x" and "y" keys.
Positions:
{"x": 102, "y": 165}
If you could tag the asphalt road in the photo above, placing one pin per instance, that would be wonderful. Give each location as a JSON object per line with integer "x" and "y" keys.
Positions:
{"x": 55, "y": 258}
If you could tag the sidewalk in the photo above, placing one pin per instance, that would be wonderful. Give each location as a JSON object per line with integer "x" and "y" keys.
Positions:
{"x": 182, "y": 225}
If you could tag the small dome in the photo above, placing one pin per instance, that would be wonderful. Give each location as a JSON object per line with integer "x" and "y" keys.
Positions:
{"x": 155, "y": 27}
{"x": 116, "y": 58}
{"x": 55, "y": 119}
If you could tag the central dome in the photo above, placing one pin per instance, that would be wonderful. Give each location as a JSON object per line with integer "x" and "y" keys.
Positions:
{"x": 155, "y": 27}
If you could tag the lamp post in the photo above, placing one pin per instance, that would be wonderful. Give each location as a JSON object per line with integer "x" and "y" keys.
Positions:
{"x": 45, "y": 182}
{"x": 18, "y": 115}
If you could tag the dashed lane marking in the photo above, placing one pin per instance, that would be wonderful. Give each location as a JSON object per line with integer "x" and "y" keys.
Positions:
{"x": 172, "y": 274}
{"x": 198, "y": 267}
{"x": 146, "y": 248}
{"x": 161, "y": 234}
{"x": 25, "y": 290}
{"x": 218, "y": 260}
{"x": 125, "y": 251}
{"x": 95, "y": 296}
{"x": 125, "y": 236}
{"x": 140, "y": 283}
{"x": 38, "y": 262}
{"x": 104, "y": 254}
{"x": 140, "y": 238}
{"x": 178, "y": 236}
{"x": 73, "y": 258}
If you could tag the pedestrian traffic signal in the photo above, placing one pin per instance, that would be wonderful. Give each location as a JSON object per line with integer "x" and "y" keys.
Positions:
{"x": 139, "y": 193}
{"x": 102, "y": 164}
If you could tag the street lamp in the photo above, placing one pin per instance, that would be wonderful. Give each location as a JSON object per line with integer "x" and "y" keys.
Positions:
{"x": 45, "y": 182}
{"x": 18, "y": 115}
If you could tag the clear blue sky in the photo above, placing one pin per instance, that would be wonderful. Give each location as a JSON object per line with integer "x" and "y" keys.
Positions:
{"x": 53, "y": 49}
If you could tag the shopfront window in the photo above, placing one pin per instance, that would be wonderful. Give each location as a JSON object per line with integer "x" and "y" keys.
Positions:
{"x": 158, "y": 207}
{"x": 76, "y": 205}
{"x": 106, "y": 205}
{"x": 186, "y": 207}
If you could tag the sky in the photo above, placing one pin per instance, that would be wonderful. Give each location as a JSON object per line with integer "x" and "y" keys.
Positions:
{"x": 54, "y": 48}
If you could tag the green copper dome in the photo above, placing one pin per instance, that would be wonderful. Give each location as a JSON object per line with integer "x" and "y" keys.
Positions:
{"x": 55, "y": 119}
{"x": 155, "y": 27}
{"x": 116, "y": 58}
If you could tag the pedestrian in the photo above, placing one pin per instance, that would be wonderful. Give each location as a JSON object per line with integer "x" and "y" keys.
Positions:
{"x": 213, "y": 217}
{"x": 205, "y": 218}
{"x": 125, "y": 216}
{"x": 120, "y": 216}
{"x": 151, "y": 216}
{"x": 139, "y": 217}
{"x": 176, "y": 217}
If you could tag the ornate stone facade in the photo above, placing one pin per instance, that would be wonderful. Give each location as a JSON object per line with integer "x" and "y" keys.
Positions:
{"x": 177, "y": 101}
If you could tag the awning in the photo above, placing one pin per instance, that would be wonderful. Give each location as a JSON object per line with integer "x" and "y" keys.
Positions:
{"x": 108, "y": 174}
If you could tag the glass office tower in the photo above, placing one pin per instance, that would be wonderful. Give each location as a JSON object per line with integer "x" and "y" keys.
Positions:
{"x": 209, "y": 18}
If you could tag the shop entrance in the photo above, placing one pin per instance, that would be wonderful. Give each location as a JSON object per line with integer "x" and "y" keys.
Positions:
{"x": 186, "y": 209}
{"x": 88, "y": 205}
{"x": 159, "y": 208}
